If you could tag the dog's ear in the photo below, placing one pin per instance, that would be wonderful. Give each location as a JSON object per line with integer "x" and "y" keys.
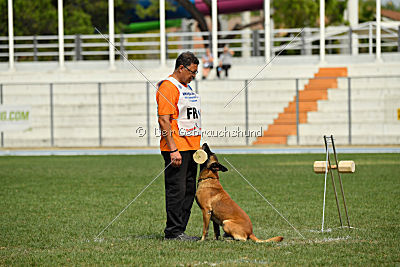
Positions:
{"x": 207, "y": 149}
{"x": 222, "y": 168}
{"x": 216, "y": 166}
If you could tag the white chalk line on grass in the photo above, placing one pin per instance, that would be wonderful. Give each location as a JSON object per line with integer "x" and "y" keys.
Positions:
{"x": 331, "y": 239}
{"x": 332, "y": 229}
{"x": 127, "y": 206}
{"x": 237, "y": 261}
{"x": 266, "y": 200}
{"x": 317, "y": 241}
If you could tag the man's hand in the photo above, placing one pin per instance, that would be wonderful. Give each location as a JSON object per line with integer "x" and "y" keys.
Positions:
{"x": 176, "y": 159}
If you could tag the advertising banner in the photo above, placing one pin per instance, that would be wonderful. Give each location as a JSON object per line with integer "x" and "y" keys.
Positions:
{"x": 14, "y": 118}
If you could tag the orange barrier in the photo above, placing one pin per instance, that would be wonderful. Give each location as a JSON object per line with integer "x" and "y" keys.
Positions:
{"x": 316, "y": 89}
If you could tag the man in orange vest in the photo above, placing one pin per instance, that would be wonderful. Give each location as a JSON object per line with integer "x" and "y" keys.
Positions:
{"x": 179, "y": 117}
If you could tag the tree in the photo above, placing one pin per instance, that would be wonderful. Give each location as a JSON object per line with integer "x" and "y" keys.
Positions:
{"x": 39, "y": 17}
{"x": 367, "y": 10}
{"x": 94, "y": 13}
{"x": 30, "y": 17}
{"x": 196, "y": 14}
{"x": 295, "y": 13}
{"x": 334, "y": 11}
{"x": 305, "y": 13}
{"x": 153, "y": 11}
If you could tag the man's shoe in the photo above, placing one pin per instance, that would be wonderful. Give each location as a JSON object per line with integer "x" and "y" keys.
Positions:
{"x": 194, "y": 238}
{"x": 183, "y": 237}
{"x": 229, "y": 237}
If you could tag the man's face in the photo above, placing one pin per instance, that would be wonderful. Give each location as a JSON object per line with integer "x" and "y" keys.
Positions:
{"x": 189, "y": 73}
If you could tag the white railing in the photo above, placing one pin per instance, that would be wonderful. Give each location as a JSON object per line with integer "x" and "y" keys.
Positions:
{"x": 339, "y": 40}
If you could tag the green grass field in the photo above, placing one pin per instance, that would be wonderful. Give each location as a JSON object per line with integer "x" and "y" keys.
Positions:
{"x": 52, "y": 208}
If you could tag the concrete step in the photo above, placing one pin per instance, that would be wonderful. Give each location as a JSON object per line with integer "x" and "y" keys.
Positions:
{"x": 22, "y": 142}
{"x": 312, "y": 95}
{"x": 90, "y": 109}
{"x": 356, "y": 105}
{"x": 332, "y": 72}
{"x": 363, "y": 94}
{"x": 76, "y": 99}
{"x": 230, "y": 141}
{"x": 280, "y": 130}
{"x": 336, "y": 117}
{"x": 267, "y": 96}
{"x": 374, "y": 69}
{"x": 281, "y": 140}
{"x": 344, "y": 139}
{"x": 290, "y": 118}
{"x": 217, "y": 107}
{"x": 321, "y": 84}
{"x": 357, "y": 128}
{"x": 304, "y": 106}
{"x": 370, "y": 83}
{"x": 222, "y": 85}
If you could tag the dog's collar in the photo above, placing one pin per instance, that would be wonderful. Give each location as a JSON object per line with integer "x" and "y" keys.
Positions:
{"x": 202, "y": 179}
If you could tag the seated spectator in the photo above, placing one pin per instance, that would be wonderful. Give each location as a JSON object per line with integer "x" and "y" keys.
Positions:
{"x": 225, "y": 61}
{"x": 207, "y": 63}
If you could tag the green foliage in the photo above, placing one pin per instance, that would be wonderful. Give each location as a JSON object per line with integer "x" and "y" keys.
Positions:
{"x": 334, "y": 11}
{"x": 305, "y": 13}
{"x": 295, "y": 13}
{"x": 367, "y": 10}
{"x": 39, "y": 17}
{"x": 30, "y": 17}
{"x": 77, "y": 20}
{"x": 81, "y": 16}
{"x": 153, "y": 10}
{"x": 52, "y": 208}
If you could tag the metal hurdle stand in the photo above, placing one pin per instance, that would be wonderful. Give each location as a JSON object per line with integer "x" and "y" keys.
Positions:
{"x": 341, "y": 167}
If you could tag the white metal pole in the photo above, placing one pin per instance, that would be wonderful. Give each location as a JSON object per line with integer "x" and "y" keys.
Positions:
{"x": 111, "y": 33}
{"x": 60, "y": 35}
{"x": 10, "y": 36}
{"x": 378, "y": 30}
{"x": 267, "y": 31}
{"x": 214, "y": 17}
{"x": 322, "y": 30}
{"x": 163, "y": 41}
{"x": 326, "y": 175}
{"x": 352, "y": 8}
{"x": 370, "y": 36}
{"x": 246, "y": 36}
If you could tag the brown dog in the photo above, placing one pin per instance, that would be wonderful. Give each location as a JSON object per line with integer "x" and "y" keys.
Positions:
{"x": 217, "y": 205}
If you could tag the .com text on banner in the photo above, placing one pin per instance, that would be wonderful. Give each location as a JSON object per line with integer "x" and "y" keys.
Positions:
{"x": 14, "y": 118}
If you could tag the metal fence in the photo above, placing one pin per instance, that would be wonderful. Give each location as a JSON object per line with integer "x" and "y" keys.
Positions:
{"x": 339, "y": 40}
{"x": 138, "y": 109}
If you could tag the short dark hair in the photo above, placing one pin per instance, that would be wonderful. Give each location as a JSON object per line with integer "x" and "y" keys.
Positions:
{"x": 186, "y": 59}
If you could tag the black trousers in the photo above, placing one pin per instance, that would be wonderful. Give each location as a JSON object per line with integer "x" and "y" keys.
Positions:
{"x": 224, "y": 67}
{"x": 180, "y": 190}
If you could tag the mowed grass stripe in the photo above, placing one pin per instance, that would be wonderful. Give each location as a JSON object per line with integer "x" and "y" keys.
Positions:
{"x": 52, "y": 208}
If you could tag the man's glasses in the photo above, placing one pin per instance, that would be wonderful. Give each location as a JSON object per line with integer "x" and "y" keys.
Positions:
{"x": 193, "y": 72}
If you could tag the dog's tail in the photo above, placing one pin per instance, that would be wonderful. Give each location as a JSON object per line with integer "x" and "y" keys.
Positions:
{"x": 274, "y": 239}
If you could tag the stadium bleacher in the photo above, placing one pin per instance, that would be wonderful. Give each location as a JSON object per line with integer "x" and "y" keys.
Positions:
{"x": 124, "y": 94}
